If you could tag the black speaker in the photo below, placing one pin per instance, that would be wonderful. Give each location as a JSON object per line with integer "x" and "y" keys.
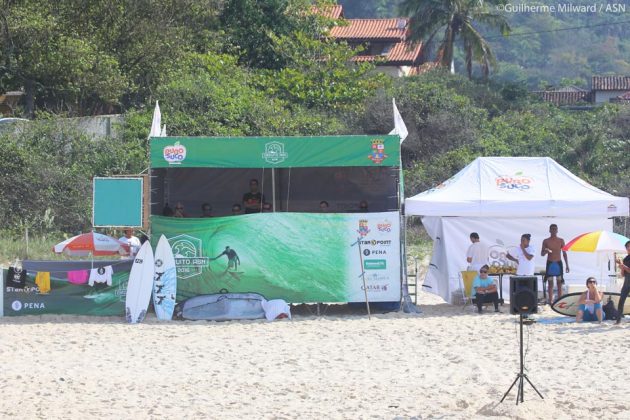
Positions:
{"x": 523, "y": 295}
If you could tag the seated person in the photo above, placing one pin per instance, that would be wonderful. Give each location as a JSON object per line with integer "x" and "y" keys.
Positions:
{"x": 485, "y": 290}
{"x": 252, "y": 201}
{"x": 590, "y": 302}
{"x": 236, "y": 209}
{"x": 363, "y": 206}
{"x": 179, "y": 210}
{"x": 323, "y": 206}
{"x": 206, "y": 210}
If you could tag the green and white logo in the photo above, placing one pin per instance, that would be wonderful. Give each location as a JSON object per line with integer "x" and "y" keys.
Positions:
{"x": 189, "y": 258}
{"x": 274, "y": 153}
{"x": 375, "y": 264}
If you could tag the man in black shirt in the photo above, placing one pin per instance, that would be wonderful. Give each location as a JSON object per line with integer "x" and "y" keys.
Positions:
{"x": 625, "y": 269}
{"x": 252, "y": 201}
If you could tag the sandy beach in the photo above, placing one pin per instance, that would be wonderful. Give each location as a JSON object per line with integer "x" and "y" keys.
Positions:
{"x": 445, "y": 363}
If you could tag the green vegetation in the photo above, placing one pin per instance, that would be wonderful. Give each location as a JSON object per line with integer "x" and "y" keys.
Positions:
{"x": 74, "y": 58}
{"x": 457, "y": 20}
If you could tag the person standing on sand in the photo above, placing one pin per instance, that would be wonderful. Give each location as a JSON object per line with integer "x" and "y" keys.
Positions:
{"x": 625, "y": 289}
{"x": 524, "y": 257}
{"x": 477, "y": 254}
{"x": 552, "y": 248}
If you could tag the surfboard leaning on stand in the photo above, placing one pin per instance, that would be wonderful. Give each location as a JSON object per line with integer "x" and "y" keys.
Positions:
{"x": 164, "y": 280}
{"x": 140, "y": 285}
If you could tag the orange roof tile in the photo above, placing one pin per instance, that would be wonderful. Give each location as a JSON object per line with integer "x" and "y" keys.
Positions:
{"x": 405, "y": 51}
{"x": 400, "y": 54}
{"x": 375, "y": 29}
{"x": 334, "y": 11}
{"x": 611, "y": 82}
{"x": 564, "y": 97}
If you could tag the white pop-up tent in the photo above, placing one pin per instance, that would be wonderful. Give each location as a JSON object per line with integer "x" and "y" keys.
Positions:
{"x": 501, "y": 198}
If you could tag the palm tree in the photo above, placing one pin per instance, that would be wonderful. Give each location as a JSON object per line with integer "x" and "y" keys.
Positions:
{"x": 457, "y": 19}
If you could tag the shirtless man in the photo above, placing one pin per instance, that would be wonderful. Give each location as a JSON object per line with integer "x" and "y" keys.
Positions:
{"x": 552, "y": 248}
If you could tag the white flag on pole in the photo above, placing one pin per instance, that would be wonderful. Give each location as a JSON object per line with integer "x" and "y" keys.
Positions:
{"x": 157, "y": 122}
{"x": 399, "y": 125}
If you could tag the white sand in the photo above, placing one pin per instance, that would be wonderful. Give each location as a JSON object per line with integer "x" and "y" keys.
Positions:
{"x": 446, "y": 363}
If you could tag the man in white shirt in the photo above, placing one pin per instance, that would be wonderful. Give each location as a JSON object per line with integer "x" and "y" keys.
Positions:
{"x": 477, "y": 254}
{"x": 524, "y": 257}
{"x": 132, "y": 241}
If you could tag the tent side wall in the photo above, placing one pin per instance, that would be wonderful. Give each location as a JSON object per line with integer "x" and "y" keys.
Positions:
{"x": 451, "y": 241}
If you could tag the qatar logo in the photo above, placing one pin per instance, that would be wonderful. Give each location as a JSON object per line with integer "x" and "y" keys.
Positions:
{"x": 274, "y": 153}
{"x": 175, "y": 154}
{"x": 189, "y": 258}
{"x": 516, "y": 182}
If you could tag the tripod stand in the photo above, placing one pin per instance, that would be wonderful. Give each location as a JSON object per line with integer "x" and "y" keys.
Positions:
{"x": 520, "y": 391}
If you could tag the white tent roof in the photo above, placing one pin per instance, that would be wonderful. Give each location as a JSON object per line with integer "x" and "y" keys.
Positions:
{"x": 515, "y": 187}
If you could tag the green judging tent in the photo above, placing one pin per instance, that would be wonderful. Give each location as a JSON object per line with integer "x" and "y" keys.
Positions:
{"x": 290, "y": 249}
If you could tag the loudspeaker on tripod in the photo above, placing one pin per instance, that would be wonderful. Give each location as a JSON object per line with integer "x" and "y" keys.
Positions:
{"x": 523, "y": 295}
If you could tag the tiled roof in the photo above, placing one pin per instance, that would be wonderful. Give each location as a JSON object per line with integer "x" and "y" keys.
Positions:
{"x": 371, "y": 29}
{"x": 611, "y": 82}
{"x": 334, "y": 11}
{"x": 399, "y": 54}
{"x": 564, "y": 97}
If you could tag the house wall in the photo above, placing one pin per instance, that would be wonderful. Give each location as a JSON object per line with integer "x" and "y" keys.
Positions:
{"x": 602, "y": 96}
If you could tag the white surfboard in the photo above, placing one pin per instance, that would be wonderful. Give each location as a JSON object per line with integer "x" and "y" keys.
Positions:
{"x": 140, "y": 285}
{"x": 164, "y": 280}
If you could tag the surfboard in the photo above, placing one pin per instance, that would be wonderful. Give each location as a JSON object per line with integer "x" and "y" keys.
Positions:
{"x": 164, "y": 280}
{"x": 140, "y": 285}
{"x": 568, "y": 304}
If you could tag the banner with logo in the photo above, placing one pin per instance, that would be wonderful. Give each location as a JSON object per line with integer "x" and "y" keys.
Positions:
{"x": 62, "y": 297}
{"x": 298, "y": 257}
{"x": 276, "y": 152}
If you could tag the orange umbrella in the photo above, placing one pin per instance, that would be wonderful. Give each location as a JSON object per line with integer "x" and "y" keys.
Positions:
{"x": 92, "y": 243}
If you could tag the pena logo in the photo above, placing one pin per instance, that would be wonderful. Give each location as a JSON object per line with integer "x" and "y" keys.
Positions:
{"x": 16, "y": 305}
{"x": 274, "y": 153}
{"x": 175, "y": 154}
{"x": 516, "y": 182}
{"x": 189, "y": 258}
{"x": 377, "y": 155}
{"x": 363, "y": 228}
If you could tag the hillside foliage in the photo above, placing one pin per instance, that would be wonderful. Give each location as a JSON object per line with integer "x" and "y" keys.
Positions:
{"x": 211, "y": 79}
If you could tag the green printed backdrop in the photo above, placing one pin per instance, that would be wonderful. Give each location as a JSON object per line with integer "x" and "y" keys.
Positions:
{"x": 67, "y": 298}
{"x": 276, "y": 152}
{"x": 298, "y": 257}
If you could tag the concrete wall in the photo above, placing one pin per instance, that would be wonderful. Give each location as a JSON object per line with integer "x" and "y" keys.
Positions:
{"x": 602, "y": 96}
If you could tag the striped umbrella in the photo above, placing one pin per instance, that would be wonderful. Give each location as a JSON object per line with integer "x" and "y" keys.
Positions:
{"x": 92, "y": 243}
{"x": 601, "y": 241}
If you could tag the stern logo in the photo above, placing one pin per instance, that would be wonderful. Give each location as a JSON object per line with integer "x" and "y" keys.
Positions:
{"x": 189, "y": 258}
{"x": 274, "y": 153}
{"x": 175, "y": 154}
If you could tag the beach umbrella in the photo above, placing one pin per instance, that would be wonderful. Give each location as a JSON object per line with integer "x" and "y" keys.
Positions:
{"x": 601, "y": 241}
{"x": 95, "y": 244}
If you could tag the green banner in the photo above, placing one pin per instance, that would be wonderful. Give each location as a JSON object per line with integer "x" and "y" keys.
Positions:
{"x": 64, "y": 297}
{"x": 298, "y": 257}
{"x": 274, "y": 152}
